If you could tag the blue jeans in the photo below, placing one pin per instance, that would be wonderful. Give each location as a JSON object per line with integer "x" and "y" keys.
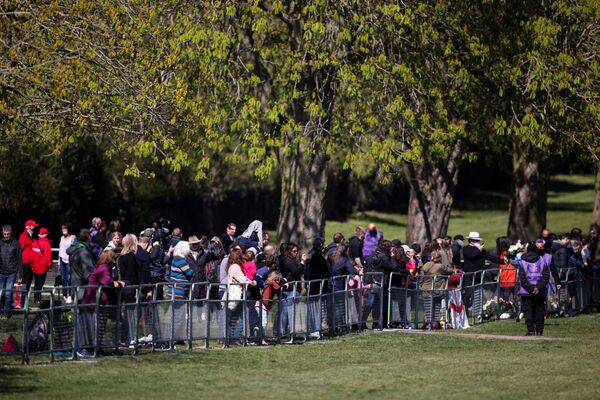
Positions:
{"x": 65, "y": 277}
{"x": 287, "y": 312}
{"x": 6, "y": 285}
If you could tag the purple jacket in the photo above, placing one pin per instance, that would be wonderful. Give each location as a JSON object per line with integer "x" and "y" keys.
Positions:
{"x": 100, "y": 277}
{"x": 533, "y": 273}
{"x": 370, "y": 243}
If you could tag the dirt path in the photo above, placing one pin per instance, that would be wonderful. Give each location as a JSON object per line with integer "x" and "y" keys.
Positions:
{"x": 474, "y": 335}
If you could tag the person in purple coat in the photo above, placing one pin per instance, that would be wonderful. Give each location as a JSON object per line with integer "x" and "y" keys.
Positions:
{"x": 534, "y": 275}
{"x": 100, "y": 277}
{"x": 371, "y": 241}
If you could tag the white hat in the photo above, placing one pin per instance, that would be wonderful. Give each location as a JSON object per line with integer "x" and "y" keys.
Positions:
{"x": 474, "y": 236}
{"x": 406, "y": 248}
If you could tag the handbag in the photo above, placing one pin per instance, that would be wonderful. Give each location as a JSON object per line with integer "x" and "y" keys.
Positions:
{"x": 235, "y": 295}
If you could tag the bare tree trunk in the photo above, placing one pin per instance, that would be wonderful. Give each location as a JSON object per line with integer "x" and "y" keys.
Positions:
{"x": 432, "y": 188}
{"x": 596, "y": 212}
{"x": 303, "y": 187}
{"x": 529, "y": 196}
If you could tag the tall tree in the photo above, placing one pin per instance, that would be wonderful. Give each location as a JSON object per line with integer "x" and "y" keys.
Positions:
{"x": 418, "y": 107}
{"x": 541, "y": 67}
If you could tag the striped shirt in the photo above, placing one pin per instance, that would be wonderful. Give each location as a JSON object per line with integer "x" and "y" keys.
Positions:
{"x": 181, "y": 273}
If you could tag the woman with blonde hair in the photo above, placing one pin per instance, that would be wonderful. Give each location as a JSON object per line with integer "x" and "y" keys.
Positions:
{"x": 132, "y": 275}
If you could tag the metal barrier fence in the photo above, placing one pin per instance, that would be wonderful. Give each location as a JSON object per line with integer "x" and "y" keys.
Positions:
{"x": 149, "y": 318}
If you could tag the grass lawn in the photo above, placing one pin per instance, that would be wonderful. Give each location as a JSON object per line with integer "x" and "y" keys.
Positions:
{"x": 368, "y": 365}
{"x": 570, "y": 204}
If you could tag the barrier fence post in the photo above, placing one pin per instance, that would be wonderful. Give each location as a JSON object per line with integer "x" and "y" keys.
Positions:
{"x": 51, "y": 324}
{"x": 97, "y": 322}
{"x": 190, "y": 315}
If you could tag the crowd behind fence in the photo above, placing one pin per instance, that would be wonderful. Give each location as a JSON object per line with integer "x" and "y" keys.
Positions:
{"x": 159, "y": 320}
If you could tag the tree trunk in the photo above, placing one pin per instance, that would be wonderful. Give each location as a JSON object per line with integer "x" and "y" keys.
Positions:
{"x": 432, "y": 188}
{"x": 596, "y": 212}
{"x": 529, "y": 196}
{"x": 303, "y": 187}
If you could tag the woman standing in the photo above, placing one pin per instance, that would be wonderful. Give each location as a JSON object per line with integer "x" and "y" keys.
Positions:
{"x": 291, "y": 270}
{"x": 132, "y": 275}
{"x": 67, "y": 240}
{"x": 100, "y": 277}
{"x": 433, "y": 287}
{"x": 180, "y": 276}
{"x": 234, "y": 293}
{"x": 341, "y": 266}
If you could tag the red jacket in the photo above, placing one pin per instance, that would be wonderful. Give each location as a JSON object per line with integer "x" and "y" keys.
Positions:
{"x": 26, "y": 243}
{"x": 42, "y": 256}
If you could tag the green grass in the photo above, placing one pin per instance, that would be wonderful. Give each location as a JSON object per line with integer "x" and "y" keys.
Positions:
{"x": 381, "y": 365}
{"x": 570, "y": 204}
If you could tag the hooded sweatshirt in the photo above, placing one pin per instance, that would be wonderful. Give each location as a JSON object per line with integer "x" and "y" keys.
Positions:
{"x": 533, "y": 273}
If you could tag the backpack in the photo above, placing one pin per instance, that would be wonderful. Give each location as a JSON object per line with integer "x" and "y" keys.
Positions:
{"x": 38, "y": 333}
{"x": 10, "y": 346}
{"x": 372, "y": 263}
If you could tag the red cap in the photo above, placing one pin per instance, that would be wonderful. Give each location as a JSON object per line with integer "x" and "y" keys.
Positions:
{"x": 44, "y": 231}
{"x": 31, "y": 222}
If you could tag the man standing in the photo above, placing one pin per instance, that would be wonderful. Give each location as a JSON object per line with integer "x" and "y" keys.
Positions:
{"x": 81, "y": 261}
{"x": 456, "y": 247}
{"x": 371, "y": 241}
{"x": 10, "y": 265}
{"x": 228, "y": 237}
{"x": 534, "y": 275}
{"x": 41, "y": 263}
{"x": 474, "y": 261}
{"x": 445, "y": 250}
{"x": 26, "y": 241}
{"x": 356, "y": 247}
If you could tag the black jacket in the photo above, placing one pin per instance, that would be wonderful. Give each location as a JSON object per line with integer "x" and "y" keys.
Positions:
{"x": 81, "y": 264}
{"x": 380, "y": 262}
{"x": 132, "y": 273}
{"x": 560, "y": 255}
{"x": 145, "y": 263}
{"x": 316, "y": 268}
{"x": 474, "y": 259}
{"x": 10, "y": 257}
{"x": 355, "y": 248}
{"x": 198, "y": 266}
{"x": 291, "y": 269}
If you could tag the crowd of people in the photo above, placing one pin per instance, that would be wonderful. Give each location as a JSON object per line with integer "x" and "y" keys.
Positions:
{"x": 249, "y": 266}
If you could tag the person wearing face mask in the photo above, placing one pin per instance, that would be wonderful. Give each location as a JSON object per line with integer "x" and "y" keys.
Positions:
{"x": 67, "y": 240}
{"x": 26, "y": 241}
{"x": 41, "y": 263}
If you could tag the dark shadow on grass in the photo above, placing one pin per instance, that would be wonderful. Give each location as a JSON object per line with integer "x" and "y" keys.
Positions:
{"x": 566, "y": 186}
{"x": 15, "y": 380}
{"x": 572, "y": 206}
{"x": 478, "y": 200}
{"x": 381, "y": 220}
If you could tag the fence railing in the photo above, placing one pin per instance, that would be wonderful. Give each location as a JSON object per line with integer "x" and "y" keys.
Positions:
{"x": 163, "y": 316}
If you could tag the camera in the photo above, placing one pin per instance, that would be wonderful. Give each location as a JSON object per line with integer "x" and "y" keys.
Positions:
{"x": 161, "y": 232}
